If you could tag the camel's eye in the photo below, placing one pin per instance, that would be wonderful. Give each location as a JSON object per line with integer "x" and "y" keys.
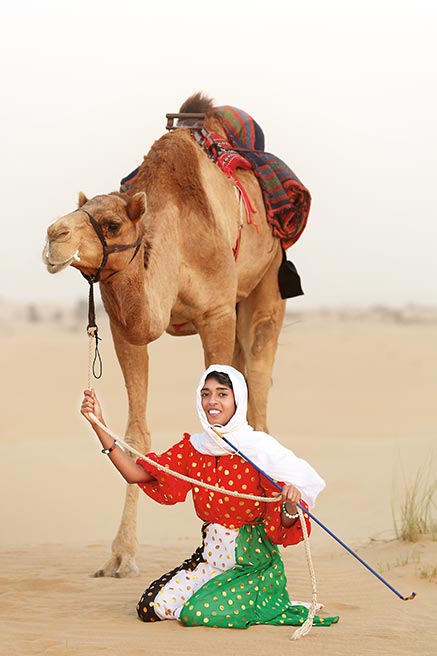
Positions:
{"x": 113, "y": 227}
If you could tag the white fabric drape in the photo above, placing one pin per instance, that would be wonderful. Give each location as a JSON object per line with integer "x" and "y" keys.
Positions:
{"x": 264, "y": 450}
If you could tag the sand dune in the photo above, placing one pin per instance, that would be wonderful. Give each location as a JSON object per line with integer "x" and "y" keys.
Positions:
{"x": 352, "y": 393}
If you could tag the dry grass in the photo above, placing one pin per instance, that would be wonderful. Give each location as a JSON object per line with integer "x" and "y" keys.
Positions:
{"x": 415, "y": 512}
{"x": 401, "y": 561}
{"x": 428, "y": 572}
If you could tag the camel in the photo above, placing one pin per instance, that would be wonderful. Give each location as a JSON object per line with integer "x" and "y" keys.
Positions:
{"x": 185, "y": 217}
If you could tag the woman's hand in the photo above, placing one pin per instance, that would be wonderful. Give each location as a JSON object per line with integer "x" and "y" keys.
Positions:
{"x": 128, "y": 468}
{"x": 90, "y": 403}
{"x": 290, "y": 496}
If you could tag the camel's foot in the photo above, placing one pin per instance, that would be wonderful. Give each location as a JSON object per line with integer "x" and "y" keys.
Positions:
{"x": 119, "y": 566}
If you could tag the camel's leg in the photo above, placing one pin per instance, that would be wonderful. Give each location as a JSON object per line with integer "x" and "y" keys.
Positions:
{"x": 239, "y": 357}
{"x": 124, "y": 546}
{"x": 216, "y": 329}
{"x": 134, "y": 364}
{"x": 259, "y": 323}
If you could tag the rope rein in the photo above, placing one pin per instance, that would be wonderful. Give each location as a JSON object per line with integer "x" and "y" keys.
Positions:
{"x": 167, "y": 470}
{"x": 95, "y": 364}
{"x": 308, "y": 624}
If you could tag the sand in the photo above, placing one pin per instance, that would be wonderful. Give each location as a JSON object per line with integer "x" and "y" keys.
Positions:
{"x": 354, "y": 393}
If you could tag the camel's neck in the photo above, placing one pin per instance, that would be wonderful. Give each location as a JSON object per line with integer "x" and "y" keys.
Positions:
{"x": 139, "y": 299}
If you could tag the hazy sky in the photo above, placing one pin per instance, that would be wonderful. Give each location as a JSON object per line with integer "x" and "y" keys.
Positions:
{"x": 344, "y": 90}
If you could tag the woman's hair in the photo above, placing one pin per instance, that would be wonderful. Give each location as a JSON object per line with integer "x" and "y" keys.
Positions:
{"x": 221, "y": 378}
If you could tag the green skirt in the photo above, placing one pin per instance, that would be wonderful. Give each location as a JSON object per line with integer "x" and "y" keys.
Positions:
{"x": 252, "y": 592}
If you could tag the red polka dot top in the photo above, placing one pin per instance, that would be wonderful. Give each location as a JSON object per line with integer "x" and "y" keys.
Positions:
{"x": 230, "y": 472}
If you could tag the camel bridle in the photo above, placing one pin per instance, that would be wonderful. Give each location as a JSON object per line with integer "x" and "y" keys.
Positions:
{"x": 107, "y": 250}
{"x": 92, "y": 328}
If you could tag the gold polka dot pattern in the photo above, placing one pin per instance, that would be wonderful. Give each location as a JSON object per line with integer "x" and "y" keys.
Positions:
{"x": 253, "y": 592}
{"x": 227, "y": 582}
{"x": 228, "y": 472}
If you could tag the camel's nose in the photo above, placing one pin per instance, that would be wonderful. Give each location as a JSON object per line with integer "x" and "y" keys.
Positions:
{"x": 58, "y": 232}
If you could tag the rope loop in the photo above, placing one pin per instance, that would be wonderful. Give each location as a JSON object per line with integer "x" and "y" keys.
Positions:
{"x": 94, "y": 357}
{"x": 97, "y": 364}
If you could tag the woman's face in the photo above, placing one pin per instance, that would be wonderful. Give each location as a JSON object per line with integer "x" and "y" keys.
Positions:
{"x": 218, "y": 402}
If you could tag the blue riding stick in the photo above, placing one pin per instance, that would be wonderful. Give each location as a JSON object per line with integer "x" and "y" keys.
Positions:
{"x": 317, "y": 521}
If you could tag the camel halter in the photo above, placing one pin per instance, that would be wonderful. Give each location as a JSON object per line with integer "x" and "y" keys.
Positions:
{"x": 107, "y": 250}
{"x": 92, "y": 328}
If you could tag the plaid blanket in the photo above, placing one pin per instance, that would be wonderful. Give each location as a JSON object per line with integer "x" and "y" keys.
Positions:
{"x": 286, "y": 199}
{"x": 126, "y": 182}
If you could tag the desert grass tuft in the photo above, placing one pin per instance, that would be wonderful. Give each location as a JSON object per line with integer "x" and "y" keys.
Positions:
{"x": 428, "y": 572}
{"x": 415, "y": 511}
{"x": 408, "y": 558}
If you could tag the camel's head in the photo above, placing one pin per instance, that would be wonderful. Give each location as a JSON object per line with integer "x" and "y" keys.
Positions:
{"x": 73, "y": 240}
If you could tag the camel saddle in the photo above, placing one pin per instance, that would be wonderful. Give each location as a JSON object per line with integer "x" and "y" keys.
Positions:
{"x": 286, "y": 199}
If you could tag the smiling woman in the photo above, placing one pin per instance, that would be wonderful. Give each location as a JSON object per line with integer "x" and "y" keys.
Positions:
{"x": 218, "y": 399}
{"x": 236, "y": 576}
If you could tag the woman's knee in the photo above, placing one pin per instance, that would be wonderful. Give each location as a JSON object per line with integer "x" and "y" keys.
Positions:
{"x": 145, "y": 607}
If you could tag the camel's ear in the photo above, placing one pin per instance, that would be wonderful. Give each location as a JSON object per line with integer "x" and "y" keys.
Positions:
{"x": 82, "y": 199}
{"x": 136, "y": 206}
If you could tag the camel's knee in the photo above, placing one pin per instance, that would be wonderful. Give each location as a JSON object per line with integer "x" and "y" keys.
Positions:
{"x": 137, "y": 436}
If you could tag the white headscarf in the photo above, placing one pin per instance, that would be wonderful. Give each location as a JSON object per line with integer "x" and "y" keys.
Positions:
{"x": 264, "y": 450}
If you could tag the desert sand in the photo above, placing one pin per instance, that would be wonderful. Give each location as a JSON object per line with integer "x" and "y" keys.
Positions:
{"x": 353, "y": 392}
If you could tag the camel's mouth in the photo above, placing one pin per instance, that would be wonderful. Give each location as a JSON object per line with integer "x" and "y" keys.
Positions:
{"x": 53, "y": 266}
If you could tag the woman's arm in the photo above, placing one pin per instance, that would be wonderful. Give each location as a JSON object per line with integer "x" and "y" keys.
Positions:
{"x": 290, "y": 497}
{"x": 128, "y": 468}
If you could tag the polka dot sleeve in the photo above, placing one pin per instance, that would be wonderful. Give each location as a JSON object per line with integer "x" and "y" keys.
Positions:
{"x": 167, "y": 489}
{"x": 278, "y": 533}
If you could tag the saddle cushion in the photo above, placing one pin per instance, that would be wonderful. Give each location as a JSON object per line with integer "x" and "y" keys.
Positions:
{"x": 286, "y": 199}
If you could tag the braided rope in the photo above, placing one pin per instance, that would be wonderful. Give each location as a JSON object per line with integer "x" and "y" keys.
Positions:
{"x": 167, "y": 470}
{"x": 90, "y": 355}
{"x": 307, "y": 625}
